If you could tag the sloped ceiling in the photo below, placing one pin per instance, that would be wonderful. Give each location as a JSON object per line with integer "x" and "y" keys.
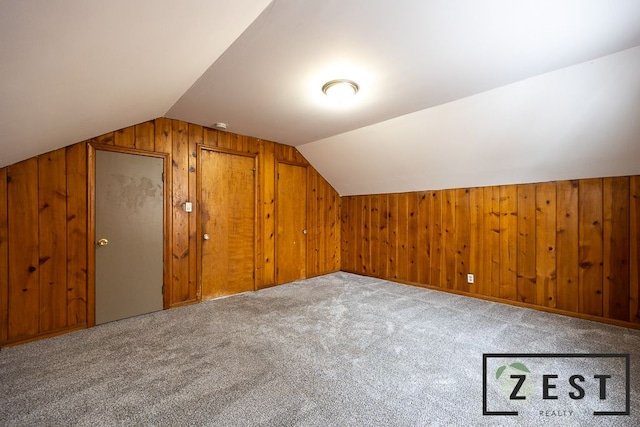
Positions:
{"x": 453, "y": 93}
{"x": 74, "y": 69}
{"x": 579, "y": 122}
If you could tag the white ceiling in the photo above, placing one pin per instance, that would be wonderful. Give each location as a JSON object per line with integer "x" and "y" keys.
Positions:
{"x": 74, "y": 69}
{"x": 430, "y": 74}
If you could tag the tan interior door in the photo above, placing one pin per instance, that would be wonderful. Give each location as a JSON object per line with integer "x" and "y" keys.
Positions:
{"x": 129, "y": 196}
{"x": 291, "y": 219}
{"x": 227, "y": 213}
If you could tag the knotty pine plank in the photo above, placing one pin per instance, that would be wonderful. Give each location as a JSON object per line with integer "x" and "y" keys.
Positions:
{"x": 526, "y": 244}
{"x": 546, "y": 210}
{"x": 180, "y": 292}
{"x": 508, "y": 241}
{"x": 237, "y": 142}
{"x": 321, "y": 240}
{"x": 163, "y": 135}
{"x": 412, "y": 235}
{"x": 449, "y": 239}
{"x": 76, "y": 234}
{"x": 476, "y": 252}
{"x": 125, "y": 138}
{"x": 385, "y": 244}
{"x": 345, "y": 236}
{"x": 242, "y": 143}
{"x": 335, "y": 227}
{"x": 145, "y": 136}
{"x": 227, "y": 140}
{"x": 616, "y": 248}
{"x": 567, "y": 241}
{"x": 268, "y": 213}
{"x": 4, "y": 257}
{"x": 163, "y": 143}
{"x": 354, "y": 227}
{"x": 52, "y": 219}
{"x": 436, "y": 238}
{"x": 394, "y": 240}
{"x": 298, "y": 157}
{"x": 356, "y": 247}
{"x": 284, "y": 153}
{"x": 24, "y": 280}
{"x": 256, "y": 148}
{"x": 495, "y": 241}
{"x": 107, "y": 139}
{"x": 463, "y": 238}
{"x": 195, "y": 139}
{"x": 491, "y": 240}
{"x": 210, "y": 137}
{"x": 365, "y": 247}
{"x": 287, "y": 153}
{"x": 424, "y": 239}
{"x": 634, "y": 249}
{"x": 249, "y": 144}
{"x": 224, "y": 140}
{"x": 590, "y": 246}
{"x": 312, "y": 217}
{"x": 375, "y": 235}
{"x": 403, "y": 239}
{"x": 326, "y": 225}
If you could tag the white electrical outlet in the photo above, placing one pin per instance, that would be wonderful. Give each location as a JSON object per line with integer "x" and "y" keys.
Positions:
{"x": 469, "y": 278}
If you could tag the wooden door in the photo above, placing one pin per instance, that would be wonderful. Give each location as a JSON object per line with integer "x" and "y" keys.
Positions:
{"x": 129, "y": 235}
{"x": 227, "y": 223}
{"x": 291, "y": 219}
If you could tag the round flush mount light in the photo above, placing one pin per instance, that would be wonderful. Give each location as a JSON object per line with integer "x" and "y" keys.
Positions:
{"x": 340, "y": 89}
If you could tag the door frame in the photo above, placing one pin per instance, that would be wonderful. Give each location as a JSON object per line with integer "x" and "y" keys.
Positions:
{"x": 306, "y": 207}
{"x": 198, "y": 207}
{"x": 91, "y": 223}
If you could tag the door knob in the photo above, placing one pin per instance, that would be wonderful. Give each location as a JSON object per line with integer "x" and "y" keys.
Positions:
{"x": 103, "y": 242}
{"x": 206, "y": 237}
{"x": 304, "y": 231}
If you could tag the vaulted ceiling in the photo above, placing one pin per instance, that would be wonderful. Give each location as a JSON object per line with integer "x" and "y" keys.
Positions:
{"x": 452, "y": 93}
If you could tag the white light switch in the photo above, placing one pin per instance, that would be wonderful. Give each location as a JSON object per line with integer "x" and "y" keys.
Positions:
{"x": 188, "y": 207}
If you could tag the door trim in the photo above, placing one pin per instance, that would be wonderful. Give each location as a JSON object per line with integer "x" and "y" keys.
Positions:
{"x": 275, "y": 211}
{"x": 198, "y": 209}
{"x": 91, "y": 224}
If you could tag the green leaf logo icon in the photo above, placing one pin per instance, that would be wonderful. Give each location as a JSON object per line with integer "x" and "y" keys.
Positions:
{"x": 517, "y": 365}
{"x": 520, "y": 367}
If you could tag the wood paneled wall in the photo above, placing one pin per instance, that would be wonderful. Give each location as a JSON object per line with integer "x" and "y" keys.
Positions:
{"x": 567, "y": 246}
{"x": 323, "y": 218}
{"x": 43, "y": 229}
{"x": 44, "y": 220}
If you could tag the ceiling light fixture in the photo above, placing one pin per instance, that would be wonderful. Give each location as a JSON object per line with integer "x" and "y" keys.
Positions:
{"x": 340, "y": 90}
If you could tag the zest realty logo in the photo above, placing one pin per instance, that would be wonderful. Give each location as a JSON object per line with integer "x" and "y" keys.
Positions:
{"x": 556, "y": 385}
